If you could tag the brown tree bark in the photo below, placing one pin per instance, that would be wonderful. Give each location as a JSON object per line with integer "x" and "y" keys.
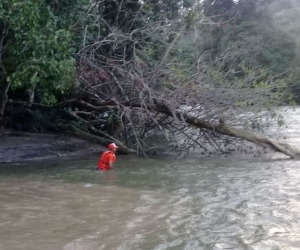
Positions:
{"x": 96, "y": 139}
{"x": 158, "y": 106}
{"x": 220, "y": 128}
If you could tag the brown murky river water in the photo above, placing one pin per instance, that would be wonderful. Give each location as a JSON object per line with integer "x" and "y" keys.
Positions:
{"x": 153, "y": 204}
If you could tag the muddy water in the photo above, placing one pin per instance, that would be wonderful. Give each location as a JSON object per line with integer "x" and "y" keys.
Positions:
{"x": 152, "y": 204}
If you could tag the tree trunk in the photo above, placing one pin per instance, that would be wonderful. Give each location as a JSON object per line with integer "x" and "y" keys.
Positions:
{"x": 31, "y": 93}
{"x": 225, "y": 129}
{"x": 221, "y": 128}
{"x": 3, "y": 101}
{"x": 96, "y": 139}
{"x": 6, "y": 85}
{"x": 100, "y": 133}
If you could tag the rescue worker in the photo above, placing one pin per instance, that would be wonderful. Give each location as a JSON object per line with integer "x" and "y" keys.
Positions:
{"x": 108, "y": 157}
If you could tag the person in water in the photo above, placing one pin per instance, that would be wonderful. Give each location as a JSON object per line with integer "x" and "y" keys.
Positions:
{"x": 108, "y": 157}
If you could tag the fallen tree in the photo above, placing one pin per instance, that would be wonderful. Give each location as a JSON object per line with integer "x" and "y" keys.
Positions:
{"x": 102, "y": 138}
{"x": 142, "y": 78}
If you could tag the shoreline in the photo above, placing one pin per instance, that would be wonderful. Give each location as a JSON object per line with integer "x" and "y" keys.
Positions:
{"x": 24, "y": 147}
{"x": 18, "y": 147}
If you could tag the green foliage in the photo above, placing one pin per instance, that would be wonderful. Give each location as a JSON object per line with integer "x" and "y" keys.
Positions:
{"x": 38, "y": 55}
{"x": 218, "y": 9}
{"x": 157, "y": 10}
{"x": 245, "y": 36}
{"x": 287, "y": 20}
{"x": 255, "y": 35}
{"x": 257, "y": 45}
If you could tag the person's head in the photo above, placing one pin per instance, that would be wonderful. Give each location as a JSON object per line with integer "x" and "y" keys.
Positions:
{"x": 113, "y": 147}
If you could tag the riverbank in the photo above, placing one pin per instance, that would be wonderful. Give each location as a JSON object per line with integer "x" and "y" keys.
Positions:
{"x": 22, "y": 147}
{"x": 18, "y": 147}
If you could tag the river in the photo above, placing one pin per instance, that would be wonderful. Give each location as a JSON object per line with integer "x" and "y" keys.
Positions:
{"x": 216, "y": 203}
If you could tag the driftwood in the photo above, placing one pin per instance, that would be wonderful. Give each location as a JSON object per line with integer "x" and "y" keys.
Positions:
{"x": 102, "y": 138}
{"x": 245, "y": 135}
{"x": 100, "y": 134}
{"x": 96, "y": 139}
{"x": 96, "y": 136}
{"x": 221, "y": 128}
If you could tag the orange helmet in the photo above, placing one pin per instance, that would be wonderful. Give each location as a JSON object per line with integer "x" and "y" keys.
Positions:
{"x": 112, "y": 146}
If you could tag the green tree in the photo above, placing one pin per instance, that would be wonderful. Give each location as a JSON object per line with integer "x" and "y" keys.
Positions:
{"x": 255, "y": 45}
{"x": 37, "y": 58}
{"x": 219, "y": 10}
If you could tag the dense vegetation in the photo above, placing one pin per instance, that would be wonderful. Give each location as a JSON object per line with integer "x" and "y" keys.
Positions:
{"x": 124, "y": 70}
